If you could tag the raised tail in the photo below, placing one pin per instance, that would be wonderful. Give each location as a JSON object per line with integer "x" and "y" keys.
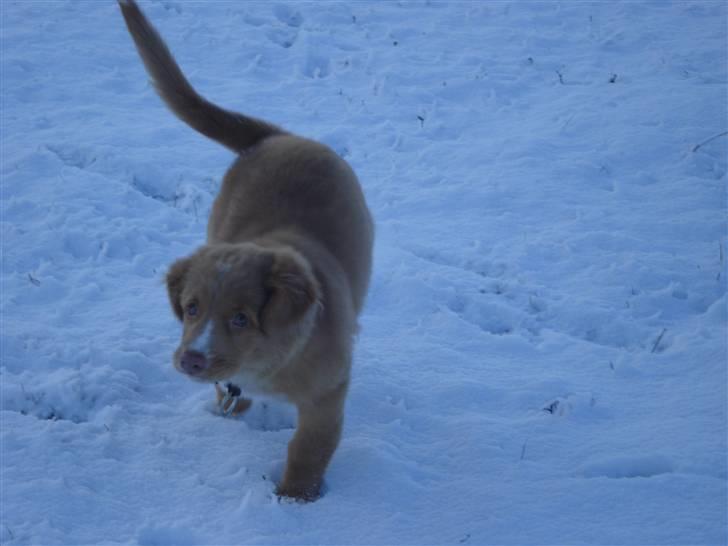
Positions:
{"x": 233, "y": 130}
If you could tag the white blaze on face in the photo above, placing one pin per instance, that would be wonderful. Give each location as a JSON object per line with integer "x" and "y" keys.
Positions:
{"x": 202, "y": 342}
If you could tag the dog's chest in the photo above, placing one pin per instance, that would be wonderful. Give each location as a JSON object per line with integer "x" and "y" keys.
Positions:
{"x": 253, "y": 386}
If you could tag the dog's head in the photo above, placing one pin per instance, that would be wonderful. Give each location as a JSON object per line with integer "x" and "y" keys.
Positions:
{"x": 245, "y": 310}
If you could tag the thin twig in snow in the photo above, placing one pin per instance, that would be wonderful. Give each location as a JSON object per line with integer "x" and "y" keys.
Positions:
{"x": 659, "y": 338}
{"x": 722, "y": 258}
{"x": 711, "y": 139}
{"x": 523, "y": 450}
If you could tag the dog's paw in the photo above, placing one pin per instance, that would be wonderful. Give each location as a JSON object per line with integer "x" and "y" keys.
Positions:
{"x": 229, "y": 401}
{"x": 299, "y": 492}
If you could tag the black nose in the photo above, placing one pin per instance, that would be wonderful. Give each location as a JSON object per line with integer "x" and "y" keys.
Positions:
{"x": 193, "y": 363}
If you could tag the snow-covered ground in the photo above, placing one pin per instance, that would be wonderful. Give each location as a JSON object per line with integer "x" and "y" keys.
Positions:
{"x": 543, "y": 354}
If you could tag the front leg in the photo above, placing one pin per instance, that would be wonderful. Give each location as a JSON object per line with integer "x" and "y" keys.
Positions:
{"x": 310, "y": 450}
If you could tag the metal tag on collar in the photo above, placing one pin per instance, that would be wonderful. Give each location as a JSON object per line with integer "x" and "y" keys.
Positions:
{"x": 230, "y": 401}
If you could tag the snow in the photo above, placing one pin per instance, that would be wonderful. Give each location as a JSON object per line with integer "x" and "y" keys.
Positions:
{"x": 542, "y": 357}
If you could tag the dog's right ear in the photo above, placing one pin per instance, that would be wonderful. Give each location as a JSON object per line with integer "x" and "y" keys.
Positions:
{"x": 176, "y": 277}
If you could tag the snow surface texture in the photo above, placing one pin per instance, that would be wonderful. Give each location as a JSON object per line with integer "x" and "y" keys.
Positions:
{"x": 542, "y": 357}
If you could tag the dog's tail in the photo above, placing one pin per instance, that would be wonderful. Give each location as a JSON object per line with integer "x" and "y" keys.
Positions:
{"x": 233, "y": 130}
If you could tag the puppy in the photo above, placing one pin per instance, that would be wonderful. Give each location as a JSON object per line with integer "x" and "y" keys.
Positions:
{"x": 269, "y": 304}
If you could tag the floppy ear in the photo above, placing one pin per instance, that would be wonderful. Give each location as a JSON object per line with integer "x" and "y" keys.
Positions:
{"x": 176, "y": 282}
{"x": 291, "y": 289}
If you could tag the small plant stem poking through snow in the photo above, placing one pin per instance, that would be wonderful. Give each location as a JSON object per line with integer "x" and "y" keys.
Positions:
{"x": 523, "y": 450}
{"x": 33, "y": 280}
{"x": 659, "y": 338}
{"x": 561, "y": 77}
{"x": 720, "y": 252}
{"x": 711, "y": 139}
{"x": 722, "y": 258}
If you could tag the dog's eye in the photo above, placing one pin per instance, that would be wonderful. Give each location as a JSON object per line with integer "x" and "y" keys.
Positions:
{"x": 240, "y": 320}
{"x": 191, "y": 310}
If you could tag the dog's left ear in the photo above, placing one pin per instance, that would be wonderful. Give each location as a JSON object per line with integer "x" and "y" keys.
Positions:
{"x": 176, "y": 277}
{"x": 292, "y": 290}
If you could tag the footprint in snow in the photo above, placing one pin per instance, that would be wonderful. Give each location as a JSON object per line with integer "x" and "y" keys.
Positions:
{"x": 493, "y": 318}
{"x": 316, "y": 65}
{"x": 636, "y": 466}
{"x": 284, "y": 37}
{"x": 576, "y": 405}
{"x": 287, "y": 15}
{"x": 72, "y": 156}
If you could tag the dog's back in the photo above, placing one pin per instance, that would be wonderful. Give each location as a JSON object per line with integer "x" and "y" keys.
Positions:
{"x": 280, "y": 183}
{"x": 298, "y": 191}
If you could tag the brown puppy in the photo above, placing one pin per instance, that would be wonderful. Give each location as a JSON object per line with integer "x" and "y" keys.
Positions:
{"x": 270, "y": 302}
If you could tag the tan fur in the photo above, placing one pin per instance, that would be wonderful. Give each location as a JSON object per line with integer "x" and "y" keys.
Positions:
{"x": 289, "y": 244}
